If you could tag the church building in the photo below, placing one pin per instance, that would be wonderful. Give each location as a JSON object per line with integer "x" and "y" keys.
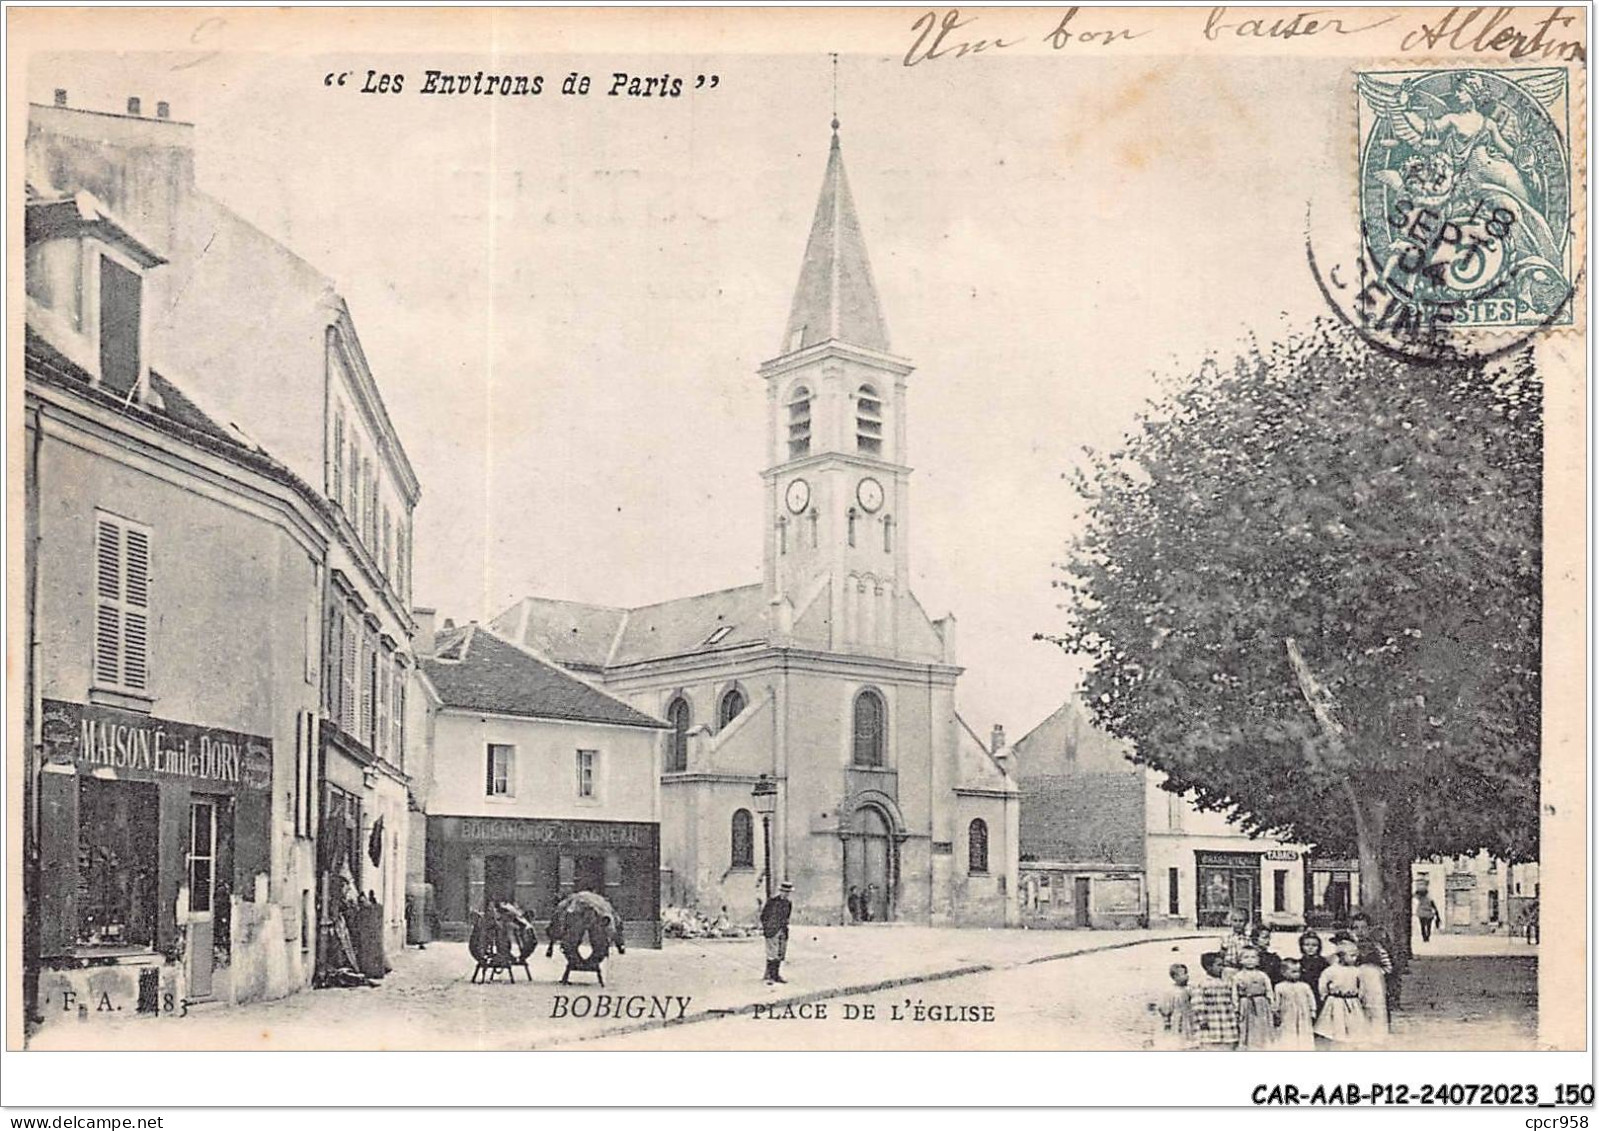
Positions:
{"x": 825, "y": 677}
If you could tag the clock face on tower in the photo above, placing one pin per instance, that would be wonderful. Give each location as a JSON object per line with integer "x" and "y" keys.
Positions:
{"x": 798, "y": 496}
{"x": 870, "y": 495}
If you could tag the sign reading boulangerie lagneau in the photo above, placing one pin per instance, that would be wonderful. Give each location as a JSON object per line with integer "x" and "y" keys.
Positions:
{"x": 614, "y": 834}
{"x": 142, "y": 746}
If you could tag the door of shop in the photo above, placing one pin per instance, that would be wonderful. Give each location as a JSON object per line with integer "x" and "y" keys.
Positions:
{"x": 202, "y": 873}
{"x": 1080, "y": 900}
{"x": 499, "y": 879}
{"x": 1227, "y": 881}
{"x": 588, "y": 874}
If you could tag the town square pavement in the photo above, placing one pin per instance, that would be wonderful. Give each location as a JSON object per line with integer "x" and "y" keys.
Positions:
{"x": 928, "y": 988}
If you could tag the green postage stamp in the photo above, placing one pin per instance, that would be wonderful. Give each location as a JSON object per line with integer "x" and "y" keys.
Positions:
{"x": 1466, "y": 195}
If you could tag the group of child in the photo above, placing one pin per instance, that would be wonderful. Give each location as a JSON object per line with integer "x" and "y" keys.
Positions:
{"x": 1252, "y": 998}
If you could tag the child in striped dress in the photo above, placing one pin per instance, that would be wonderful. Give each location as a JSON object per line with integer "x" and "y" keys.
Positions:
{"x": 1215, "y": 1006}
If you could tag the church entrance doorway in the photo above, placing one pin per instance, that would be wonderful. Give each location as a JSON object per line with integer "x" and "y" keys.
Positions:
{"x": 869, "y": 862}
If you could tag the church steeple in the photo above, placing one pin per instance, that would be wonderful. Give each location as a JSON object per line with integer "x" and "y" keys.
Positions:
{"x": 837, "y": 481}
{"x": 835, "y": 298}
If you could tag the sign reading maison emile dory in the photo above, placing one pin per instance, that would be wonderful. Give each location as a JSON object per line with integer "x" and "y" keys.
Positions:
{"x": 102, "y": 737}
{"x": 616, "y": 834}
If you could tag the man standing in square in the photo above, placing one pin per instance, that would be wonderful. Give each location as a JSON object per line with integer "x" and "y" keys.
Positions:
{"x": 774, "y": 925}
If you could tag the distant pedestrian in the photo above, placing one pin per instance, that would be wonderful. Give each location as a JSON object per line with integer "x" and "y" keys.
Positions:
{"x": 774, "y": 927}
{"x": 1341, "y": 1020}
{"x": 1271, "y": 963}
{"x": 1257, "y": 1004}
{"x": 1312, "y": 962}
{"x": 853, "y": 902}
{"x": 1530, "y": 916}
{"x": 1174, "y": 1011}
{"x": 1296, "y": 1009}
{"x": 1215, "y": 1004}
{"x": 1426, "y": 914}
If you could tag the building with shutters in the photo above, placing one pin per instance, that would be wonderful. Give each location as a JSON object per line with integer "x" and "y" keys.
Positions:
{"x": 536, "y": 784}
{"x": 825, "y": 675}
{"x": 218, "y": 570}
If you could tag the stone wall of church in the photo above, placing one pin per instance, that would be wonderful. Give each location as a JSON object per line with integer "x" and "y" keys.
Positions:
{"x": 820, "y": 834}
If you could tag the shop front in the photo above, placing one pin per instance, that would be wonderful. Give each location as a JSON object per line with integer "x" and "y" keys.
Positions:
{"x": 535, "y": 862}
{"x": 1065, "y": 895}
{"x": 1332, "y": 891}
{"x": 150, "y": 829}
{"x": 360, "y": 855}
{"x": 1226, "y": 881}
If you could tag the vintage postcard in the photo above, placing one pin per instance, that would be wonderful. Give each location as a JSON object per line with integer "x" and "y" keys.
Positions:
{"x": 800, "y": 529}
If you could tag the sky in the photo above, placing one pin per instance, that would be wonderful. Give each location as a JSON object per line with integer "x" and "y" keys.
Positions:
{"x": 565, "y": 299}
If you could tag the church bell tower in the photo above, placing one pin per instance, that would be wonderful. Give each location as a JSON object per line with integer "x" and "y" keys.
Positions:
{"x": 836, "y": 480}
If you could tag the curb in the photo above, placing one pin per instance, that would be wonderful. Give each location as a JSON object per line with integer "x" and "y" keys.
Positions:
{"x": 864, "y": 988}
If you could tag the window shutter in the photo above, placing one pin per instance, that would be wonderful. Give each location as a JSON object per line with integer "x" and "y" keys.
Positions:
{"x": 336, "y": 483}
{"x": 488, "y": 777}
{"x": 397, "y": 716}
{"x": 380, "y": 701}
{"x": 347, "y": 691}
{"x": 108, "y": 613}
{"x": 136, "y": 617}
{"x": 353, "y": 504}
{"x": 122, "y": 605}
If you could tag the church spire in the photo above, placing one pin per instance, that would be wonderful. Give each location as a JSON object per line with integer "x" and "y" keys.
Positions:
{"x": 835, "y": 298}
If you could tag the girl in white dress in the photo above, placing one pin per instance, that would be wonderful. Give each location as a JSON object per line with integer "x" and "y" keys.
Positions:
{"x": 1296, "y": 1008}
{"x": 1342, "y": 1021}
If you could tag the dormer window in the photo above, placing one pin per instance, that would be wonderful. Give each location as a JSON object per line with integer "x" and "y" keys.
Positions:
{"x": 868, "y": 421}
{"x": 85, "y": 286}
{"x": 121, "y": 299}
{"x": 799, "y": 423}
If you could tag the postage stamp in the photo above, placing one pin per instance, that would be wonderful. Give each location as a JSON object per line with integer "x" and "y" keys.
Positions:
{"x": 1466, "y": 196}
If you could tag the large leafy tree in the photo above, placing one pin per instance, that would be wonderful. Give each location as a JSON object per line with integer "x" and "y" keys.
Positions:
{"x": 1310, "y": 584}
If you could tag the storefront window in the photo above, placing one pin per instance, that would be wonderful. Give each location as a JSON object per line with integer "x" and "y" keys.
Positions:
{"x": 117, "y": 859}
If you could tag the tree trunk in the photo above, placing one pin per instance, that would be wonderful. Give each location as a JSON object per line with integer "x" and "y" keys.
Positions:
{"x": 1371, "y": 825}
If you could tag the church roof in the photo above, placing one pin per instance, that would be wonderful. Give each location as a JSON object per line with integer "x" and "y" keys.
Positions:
{"x": 473, "y": 669}
{"x": 835, "y": 298}
{"x": 600, "y": 636}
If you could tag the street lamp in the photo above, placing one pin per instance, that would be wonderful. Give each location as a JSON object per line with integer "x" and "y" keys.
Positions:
{"x": 765, "y": 795}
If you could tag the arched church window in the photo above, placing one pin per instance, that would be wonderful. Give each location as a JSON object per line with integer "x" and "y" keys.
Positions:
{"x": 977, "y": 847}
{"x": 731, "y": 706}
{"x": 743, "y": 854}
{"x": 870, "y": 725}
{"x": 680, "y": 716}
{"x": 799, "y": 422}
{"x": 868, "y": 421}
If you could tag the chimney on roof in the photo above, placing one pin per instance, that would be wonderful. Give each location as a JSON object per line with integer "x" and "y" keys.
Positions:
{"x": 61, "y": 96}
{"x": 163, "y": 110}
{"x": 422, "y": 642}
{"x": 997, "y": 739}
{"x": 448, "y": 623}
{"x": 133, "y": 105}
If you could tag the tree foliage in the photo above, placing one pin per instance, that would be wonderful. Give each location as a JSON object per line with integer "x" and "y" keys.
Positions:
{"x": 1385, "y": 515}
